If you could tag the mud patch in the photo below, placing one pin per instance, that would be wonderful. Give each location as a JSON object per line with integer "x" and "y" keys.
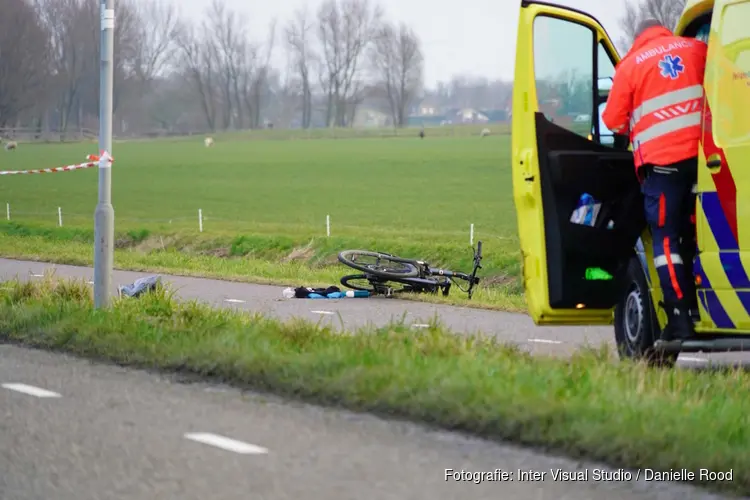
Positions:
{"x": 500, "y": 280}
{"x": 304, "y": 253}
{"x": 124, "y": 243}
{"x": 219, "y": 252}
{"x": 156, "y": 244}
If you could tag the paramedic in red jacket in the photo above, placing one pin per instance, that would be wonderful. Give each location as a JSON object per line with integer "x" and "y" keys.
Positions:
{"x": 657, "y": 98}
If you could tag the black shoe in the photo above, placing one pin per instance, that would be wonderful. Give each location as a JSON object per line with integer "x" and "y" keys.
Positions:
{"x": 679, "y": 323}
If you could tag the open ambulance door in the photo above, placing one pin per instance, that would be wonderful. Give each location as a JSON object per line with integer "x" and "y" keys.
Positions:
{"x": 573, "y": 273}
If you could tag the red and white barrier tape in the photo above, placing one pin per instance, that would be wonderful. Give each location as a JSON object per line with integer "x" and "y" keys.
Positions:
{"x": 102, "y": 161}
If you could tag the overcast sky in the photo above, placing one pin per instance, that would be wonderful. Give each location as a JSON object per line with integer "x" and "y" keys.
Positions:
{"x": 459, "y": 36}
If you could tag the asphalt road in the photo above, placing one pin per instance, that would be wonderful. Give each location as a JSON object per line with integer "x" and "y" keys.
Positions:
{"x": 82, "y": 431}
{"x": 351, "y": 313}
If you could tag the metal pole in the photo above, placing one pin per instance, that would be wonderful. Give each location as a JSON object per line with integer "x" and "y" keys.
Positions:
{"x": 104, "y": 215}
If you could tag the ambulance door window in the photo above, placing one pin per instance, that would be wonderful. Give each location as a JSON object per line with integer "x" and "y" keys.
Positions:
{"x": 605, "y": 72}
{"x": 563, "y": 68}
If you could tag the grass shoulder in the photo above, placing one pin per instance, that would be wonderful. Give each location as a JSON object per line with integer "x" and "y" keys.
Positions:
{"x": 268, "y": 258}
{"x": 589, "y": 406}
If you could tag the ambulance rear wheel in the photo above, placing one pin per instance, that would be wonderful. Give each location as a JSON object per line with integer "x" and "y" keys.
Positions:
{"x": 636, "y": 325}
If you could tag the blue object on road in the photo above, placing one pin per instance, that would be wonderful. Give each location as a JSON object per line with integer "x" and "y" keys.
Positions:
{"x": 332, "y": 292}
{"x": 340, "y": 295}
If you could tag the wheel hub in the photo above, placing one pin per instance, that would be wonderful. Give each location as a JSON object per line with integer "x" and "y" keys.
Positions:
{"x": 633, "y": 316}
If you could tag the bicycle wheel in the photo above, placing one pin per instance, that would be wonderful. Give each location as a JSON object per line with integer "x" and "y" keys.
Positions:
{"x": 362, "y": 282}
{"x": 379, "y": 264}
{"x": 357, "y": 282}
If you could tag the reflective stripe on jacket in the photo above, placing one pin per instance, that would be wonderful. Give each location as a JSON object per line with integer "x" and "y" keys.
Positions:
{"x": 657, "y": 96}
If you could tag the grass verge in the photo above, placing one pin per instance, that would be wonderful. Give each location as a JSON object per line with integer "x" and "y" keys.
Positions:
{"x": 621, "y": 413}
{"x": 266, "y": 258}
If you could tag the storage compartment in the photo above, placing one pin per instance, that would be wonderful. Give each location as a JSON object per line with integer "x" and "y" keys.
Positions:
{"x": 570, "y": 166}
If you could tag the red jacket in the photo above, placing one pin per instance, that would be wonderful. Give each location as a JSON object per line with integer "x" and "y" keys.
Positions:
{"x": 657, "y": 96}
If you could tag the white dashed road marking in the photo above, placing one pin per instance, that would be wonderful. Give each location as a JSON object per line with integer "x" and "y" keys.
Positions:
{"x": 544, "y": 341}
{"x": 420, "y": 325}
{"x": 31, "y": 390}
{"x": 235, "y": 301}
{"x": 37, "y": 275}
{"x": 323, "y": 312}
{"x": 226, "y": 443}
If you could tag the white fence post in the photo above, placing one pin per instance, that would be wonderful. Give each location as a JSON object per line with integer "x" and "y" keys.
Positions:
{"x": 471, "y": 235}
{"x": 200, "y": 220}
{"x": 59, "y": 216}
{"x": 328, "y": 225}
{"x": 7, "y": 211}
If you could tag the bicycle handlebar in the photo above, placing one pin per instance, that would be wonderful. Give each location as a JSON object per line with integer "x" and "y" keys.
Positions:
{"x": 473, "y": 280}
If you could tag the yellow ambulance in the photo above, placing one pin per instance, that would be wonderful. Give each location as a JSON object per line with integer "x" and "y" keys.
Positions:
{"x": 599, "y": 270}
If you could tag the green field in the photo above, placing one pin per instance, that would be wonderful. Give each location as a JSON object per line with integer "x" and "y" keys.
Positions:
{"x": 264, "y": 204}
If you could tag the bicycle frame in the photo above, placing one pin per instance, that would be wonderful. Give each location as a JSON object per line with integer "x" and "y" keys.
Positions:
{"x": 418, "y": 285}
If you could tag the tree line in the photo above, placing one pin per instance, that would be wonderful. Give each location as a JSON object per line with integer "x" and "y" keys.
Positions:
{"x": 177, "y": 75}
{"x": 344, "y": 52}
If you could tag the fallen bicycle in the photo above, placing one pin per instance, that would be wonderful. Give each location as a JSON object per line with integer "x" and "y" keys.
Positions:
{"x": 386, "y": 274}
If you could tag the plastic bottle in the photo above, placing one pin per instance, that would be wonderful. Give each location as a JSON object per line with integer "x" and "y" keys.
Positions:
{"x": 588, "y": 202}
{"x": 584, "y": 212}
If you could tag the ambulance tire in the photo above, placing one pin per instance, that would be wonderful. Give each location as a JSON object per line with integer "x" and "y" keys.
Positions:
{"x": 636, "y": 325}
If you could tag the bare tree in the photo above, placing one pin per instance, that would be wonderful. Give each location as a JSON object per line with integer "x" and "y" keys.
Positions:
{"x": 127, "y": 40}
{"x": 287, "y": 98}
{"x": 74, "y": 37}
{"x": 72, "y": 55}
{"x": 228, "y": 39}
{"x": 299, "y": 45}
{"x": 329, "y": 65}
{"x": 666, "y": 11}
{"x": 225, "y": 67}
{"x": 259, "y": 82}
{"x": 345, "y": 30}
{"x": 23, "y": 58}
{"x": 198, "y": 58}
{"x": 155, "y": 45}
{"x": 247, "y": 77}
{"x": 398, "y": 63}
